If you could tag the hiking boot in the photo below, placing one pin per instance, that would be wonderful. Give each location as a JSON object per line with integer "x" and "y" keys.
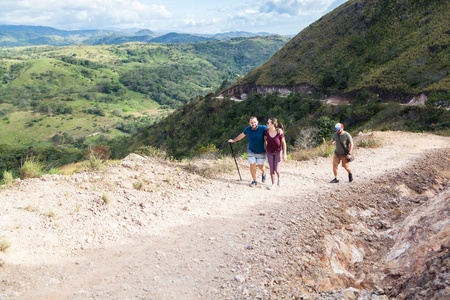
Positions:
{"x": 350, "y": 177}
{"x": 253, "y": 184}
{"x": 263, "y": 179}
{"x": 271, "y": 187}
{"x": 334, "y": 180}
{"x": 279, "y": 182}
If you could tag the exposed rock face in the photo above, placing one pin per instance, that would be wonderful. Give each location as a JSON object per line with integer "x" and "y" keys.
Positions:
{"x": 418, "y": 265}
{"x": 239, "y": 91}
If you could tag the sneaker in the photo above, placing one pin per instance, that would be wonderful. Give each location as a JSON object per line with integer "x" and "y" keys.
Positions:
{"x": 334, "y": 180}
{"x": 279, "y": 182}
{"x": 254, "y": 183}
{"x": 271, "y": 187}
{"x": 350, "y": 177}
{"x": 263, "y": 179}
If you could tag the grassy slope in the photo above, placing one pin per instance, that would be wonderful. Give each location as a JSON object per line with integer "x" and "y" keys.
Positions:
{"x": 400, "y": 46}
{"x": 53, "y": 75}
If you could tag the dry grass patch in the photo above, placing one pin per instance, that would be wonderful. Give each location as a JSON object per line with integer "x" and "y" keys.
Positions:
{"x": 8, "y": 178}
{"x": 106, "y": 198}
{"x": 71, "y": 168}
{"x": 4, "y": 245}
{"x": 152, "y": 152}
{"x": 368, "y": 142}
{"x": 31, "y": 168}
{"x": 30, "y": 208}
{"x": 210, "y": 168}
{"x": 307, "y": 154}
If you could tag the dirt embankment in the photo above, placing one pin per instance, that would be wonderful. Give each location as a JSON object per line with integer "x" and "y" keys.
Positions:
{"x": 146, "y": 229}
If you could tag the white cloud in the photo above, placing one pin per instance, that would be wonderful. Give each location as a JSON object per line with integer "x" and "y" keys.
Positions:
{"x": 277, "y": 15}
{"x": 194, "y": 16}
{"x": 81, "y": 13}
{"x": 296, "y": 7}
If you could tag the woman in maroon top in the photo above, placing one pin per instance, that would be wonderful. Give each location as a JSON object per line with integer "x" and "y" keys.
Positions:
{"x": 275, "y": 143}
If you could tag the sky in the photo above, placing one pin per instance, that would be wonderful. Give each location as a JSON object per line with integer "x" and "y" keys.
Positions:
{"x": 285, "y": 17}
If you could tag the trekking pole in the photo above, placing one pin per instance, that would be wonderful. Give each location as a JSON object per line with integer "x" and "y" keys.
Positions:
{"x": 232, "y": 152}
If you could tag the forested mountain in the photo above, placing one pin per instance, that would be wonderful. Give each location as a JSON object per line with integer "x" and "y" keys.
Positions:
{"x": 370, "y": 51}
{"x": 391, "y": 48}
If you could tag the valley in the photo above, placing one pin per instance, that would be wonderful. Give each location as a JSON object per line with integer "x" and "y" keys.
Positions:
{"x": 81, "y": 89}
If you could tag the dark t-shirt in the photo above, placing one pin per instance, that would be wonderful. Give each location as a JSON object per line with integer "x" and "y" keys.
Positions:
{"x": 255, "y": 139}
{"x": 346, "y": 139}
{"x": 273, "y": 143}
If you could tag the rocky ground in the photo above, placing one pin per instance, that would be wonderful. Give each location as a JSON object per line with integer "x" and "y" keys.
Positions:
{"x": 151, "y": 229}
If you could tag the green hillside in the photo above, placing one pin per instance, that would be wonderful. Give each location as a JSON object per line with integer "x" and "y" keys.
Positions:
{"x": 111, "y": 90}
{"x": 209, "y": 122}
{"x": 389, "y": 47}
{"x": 375, "y": 52}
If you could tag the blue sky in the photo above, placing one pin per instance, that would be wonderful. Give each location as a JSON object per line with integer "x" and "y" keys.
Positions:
{"x": 201, "y": 16}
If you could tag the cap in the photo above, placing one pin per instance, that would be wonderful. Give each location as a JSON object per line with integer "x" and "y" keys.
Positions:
{"x": 338, "y": 126}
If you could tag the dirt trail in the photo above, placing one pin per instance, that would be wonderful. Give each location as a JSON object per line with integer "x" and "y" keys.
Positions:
{"x": 181, "y": 236}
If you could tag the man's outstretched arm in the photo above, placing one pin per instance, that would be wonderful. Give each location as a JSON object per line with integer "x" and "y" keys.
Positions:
{"x": 238, "y": 138}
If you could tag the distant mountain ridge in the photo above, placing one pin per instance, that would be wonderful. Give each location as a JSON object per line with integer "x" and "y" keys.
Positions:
{"x": 23, "y": 35}
{"x": 43, "y": 30}
{"x": 174, "y": 37}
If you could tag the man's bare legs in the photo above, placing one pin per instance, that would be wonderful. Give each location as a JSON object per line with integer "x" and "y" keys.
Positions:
{"x": 253, "y": 170}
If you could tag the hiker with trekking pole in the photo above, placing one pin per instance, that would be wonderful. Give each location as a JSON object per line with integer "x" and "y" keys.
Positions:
{"x": 275, "y": 149}
{"x": 343, "y": 152}
{"x": 256, "y": 148}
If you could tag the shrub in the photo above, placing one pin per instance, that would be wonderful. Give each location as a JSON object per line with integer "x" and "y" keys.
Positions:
{"x": 364, "y": 96}
{"x": 8, "y": 178}
{"x": 118, "y": 112}
{"x": 151, "y": 152}
{"x": 208, "y": 152}
{"x": 368, "y": 142}
{"x": 31, "y": 168}
{"x": 96, "y": 157}
{"x": 93, "y": 163}
{"x": 307, "y": 154}
{"x": 306, "y": 138}
{"x": 438, "y": 100}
